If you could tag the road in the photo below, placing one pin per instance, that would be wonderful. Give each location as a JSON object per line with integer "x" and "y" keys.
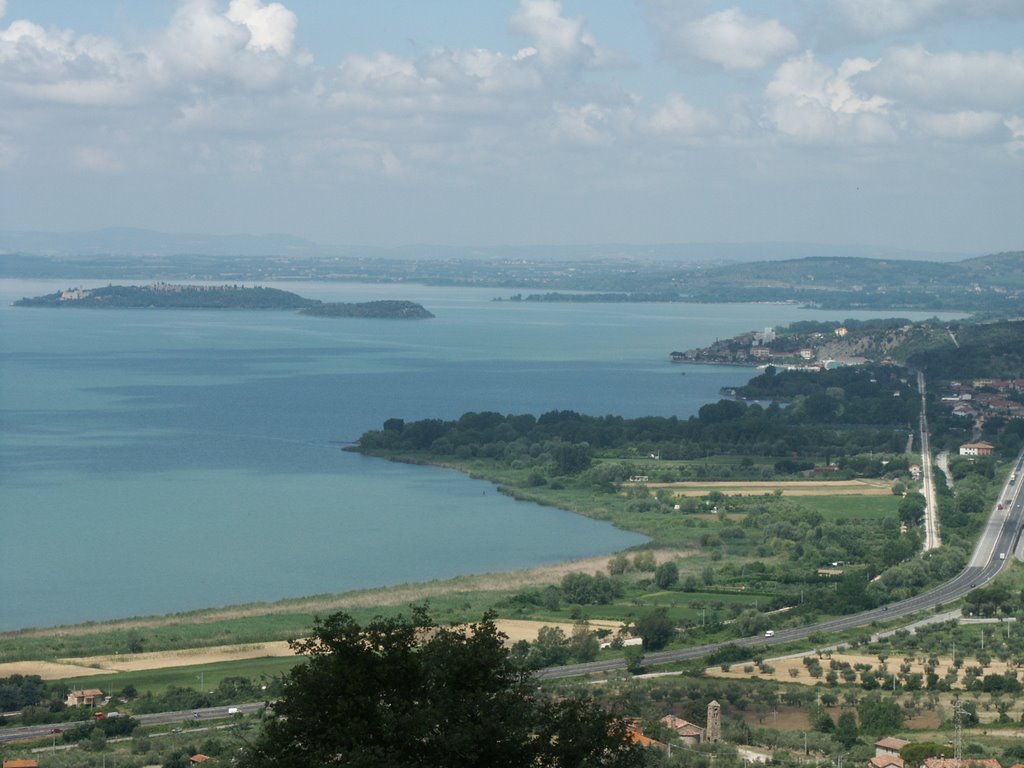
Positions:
{"x": 187, "y": 716}
{"x": 931, "y": 510}
{"x": 998, "y": 538}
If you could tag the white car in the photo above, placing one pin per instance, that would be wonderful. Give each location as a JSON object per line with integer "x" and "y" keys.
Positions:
{"x": 769, "y": 633}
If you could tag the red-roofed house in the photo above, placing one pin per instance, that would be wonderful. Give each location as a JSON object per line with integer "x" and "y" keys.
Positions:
{"x": 977, "y": 449}
{"x": 951, "y": 762}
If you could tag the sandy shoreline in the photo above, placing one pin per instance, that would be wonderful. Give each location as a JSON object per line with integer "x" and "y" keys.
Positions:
{"x": 384, "y": 596}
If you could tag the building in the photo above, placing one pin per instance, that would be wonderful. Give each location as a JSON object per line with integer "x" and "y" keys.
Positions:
{"x": 21, "y": 763}
{"x": 977, "y": 449}
{"x": 89, "y": 697}
{"x": 714, "y": 732}
{"x": 890, "y": 746}
{"x": 886, "y": 761}
{"x": 689, "y": 733}
{"x": 967, "y": 762}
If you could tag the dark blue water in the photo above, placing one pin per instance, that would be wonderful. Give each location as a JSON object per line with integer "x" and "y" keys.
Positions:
{"x": 158, "y": 461}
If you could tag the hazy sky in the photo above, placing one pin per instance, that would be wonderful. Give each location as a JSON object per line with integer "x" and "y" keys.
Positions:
{"x": 887, "y": 122}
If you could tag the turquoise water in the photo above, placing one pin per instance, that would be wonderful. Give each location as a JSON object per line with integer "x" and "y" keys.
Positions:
{"x": 160, "y": 461}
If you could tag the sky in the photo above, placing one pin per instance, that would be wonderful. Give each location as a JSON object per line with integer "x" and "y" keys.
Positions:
{"x": 895, "y": 123}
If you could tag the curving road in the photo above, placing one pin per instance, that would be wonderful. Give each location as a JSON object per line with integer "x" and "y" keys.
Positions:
{"x": 999, "y": 538}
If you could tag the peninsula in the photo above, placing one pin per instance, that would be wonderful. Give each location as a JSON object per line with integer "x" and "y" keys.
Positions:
{"x": 171, "y": 296}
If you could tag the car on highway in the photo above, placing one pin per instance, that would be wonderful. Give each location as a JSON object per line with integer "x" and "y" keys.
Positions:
{"x": 769, "y": 633}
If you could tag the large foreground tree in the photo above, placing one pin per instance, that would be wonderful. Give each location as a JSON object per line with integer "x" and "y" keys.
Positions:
{"x": 401, "y": 692}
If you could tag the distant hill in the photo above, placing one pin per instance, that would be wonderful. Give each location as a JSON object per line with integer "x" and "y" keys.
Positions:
{"x": 144, "y": 242}
{"x": 121, "y": 241}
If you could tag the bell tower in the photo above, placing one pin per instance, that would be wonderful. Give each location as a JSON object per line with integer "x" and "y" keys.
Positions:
{"x": 714, "y": 729}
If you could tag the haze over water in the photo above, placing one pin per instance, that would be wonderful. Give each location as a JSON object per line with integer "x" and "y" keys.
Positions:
{"x": 166, "y": 460}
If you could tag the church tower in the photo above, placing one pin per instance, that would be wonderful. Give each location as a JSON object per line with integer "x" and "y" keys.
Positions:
{"x": 714, "y": 729}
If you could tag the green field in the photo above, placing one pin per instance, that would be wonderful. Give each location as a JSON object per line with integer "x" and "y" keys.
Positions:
{"x": 157, "y": 681}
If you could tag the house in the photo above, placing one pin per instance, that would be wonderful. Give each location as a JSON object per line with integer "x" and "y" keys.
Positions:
{"x": 635, "y": 733}
{"x": 967, "y": 762}
{"x": 689, "y": 733}
{"x": 886, "y": 761}
{"x": 89, "y": 697}
{"x": 890, "y": 746}
{"x": 977, "y": 449}
{"x": 198, "y": 759}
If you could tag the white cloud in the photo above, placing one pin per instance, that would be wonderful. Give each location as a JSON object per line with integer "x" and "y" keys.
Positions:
{"x": 809, "y": 101}
{"x": 734, "y": 40}
{"x": 271, "y": 27}
{"x": 877, "y": 18}
{"x": 676, "y": 117}
{"x": 730, "y": 39}
{"x": 557, "y": 41}
{"x": 964, "y": 126}
{"x": 951, "y": 80}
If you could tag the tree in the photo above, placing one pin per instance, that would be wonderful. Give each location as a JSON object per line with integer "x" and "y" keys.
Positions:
{"x": 656, "y": 629}
{"x": 846, "y": 729}
{"x": 666, "y": 575}
{"x": 879, "y": 715}
{"x": 400, "y": 691}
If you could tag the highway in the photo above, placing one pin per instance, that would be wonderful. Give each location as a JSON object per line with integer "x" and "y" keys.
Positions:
{"x": 998, "y": 538}
{"x": 183, "y": 717}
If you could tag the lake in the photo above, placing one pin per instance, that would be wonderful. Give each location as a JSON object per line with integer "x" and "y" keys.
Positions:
{"x": 155, "y": 461}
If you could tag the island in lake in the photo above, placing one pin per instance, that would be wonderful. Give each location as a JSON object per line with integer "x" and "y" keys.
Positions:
{"x": 169, "y": 296}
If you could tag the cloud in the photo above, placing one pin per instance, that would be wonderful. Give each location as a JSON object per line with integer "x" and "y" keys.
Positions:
{"x": 951, "y": 80}
{"x": 557, "y": 41}
{"x": 676, "y": 117}
{"x": 733, "y": 40}
{"x": 729, "y": 39}
{"x": 809, "y": 101}
{"x": 965, "y": 126}
{"x": 878, "y": 18}
{"x": 271, "y": 27}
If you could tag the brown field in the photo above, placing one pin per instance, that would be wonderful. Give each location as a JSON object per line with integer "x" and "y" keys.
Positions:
{"x": 781, "y": 667}
{"x": 791, "y": 488}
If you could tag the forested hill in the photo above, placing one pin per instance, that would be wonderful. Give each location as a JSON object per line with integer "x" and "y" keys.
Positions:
{"x": 990, "y": 350}
{"x": 986, "y": 284}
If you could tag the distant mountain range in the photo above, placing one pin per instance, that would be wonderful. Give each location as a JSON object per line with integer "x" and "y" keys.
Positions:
{"x": 125, "y": 241}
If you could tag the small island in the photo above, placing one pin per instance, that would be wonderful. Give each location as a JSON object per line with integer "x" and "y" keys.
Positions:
{"x": 397, "y": 310}
{"x": 169, "y": 296}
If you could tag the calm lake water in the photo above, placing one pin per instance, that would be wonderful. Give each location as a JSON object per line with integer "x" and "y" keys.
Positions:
{"x": 161, "y": 461}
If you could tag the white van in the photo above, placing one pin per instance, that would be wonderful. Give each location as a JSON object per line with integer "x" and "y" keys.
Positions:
{"x": 1002, "y": 555}
{"x": 769, "y": 633}
{"x": 232, "y": 710}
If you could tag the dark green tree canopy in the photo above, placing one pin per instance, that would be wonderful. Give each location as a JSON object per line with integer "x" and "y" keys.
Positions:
{"x": 400, "y": 691}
